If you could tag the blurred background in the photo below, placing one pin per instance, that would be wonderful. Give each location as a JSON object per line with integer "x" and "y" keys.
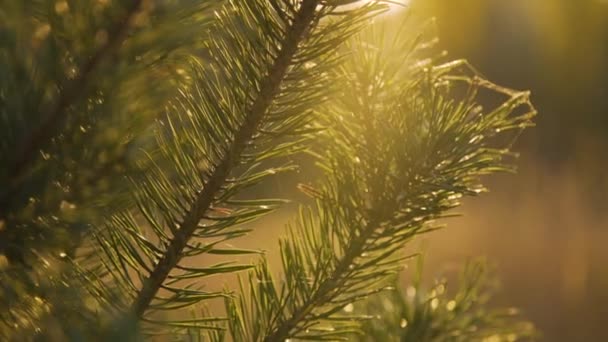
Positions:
{"x": 545, "y": 228}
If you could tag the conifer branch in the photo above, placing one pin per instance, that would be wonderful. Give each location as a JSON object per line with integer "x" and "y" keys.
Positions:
{"x": 269, "y": 89}
{"x": 398, "y": 138}
{"x": 331, "y": 286}
{"x": 55, "y": 116}
{"x": 325, "y": 289}
{"x": 459, "y": 311}
{"x": 371, "y": 207}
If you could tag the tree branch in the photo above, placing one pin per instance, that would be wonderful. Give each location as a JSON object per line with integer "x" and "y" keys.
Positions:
{"x": 325, "y": 289}
{"x": 270, "y": 87}
{"x": 51, "y": 120}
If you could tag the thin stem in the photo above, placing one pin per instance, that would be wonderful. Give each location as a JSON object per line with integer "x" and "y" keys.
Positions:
{"x": 270, "y": 87}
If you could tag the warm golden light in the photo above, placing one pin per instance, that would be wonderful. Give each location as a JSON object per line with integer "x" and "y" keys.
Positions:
{"x": 396, "y": 5}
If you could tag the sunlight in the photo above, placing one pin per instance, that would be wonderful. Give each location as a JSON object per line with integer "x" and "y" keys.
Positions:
{"x": 394, "y": 5}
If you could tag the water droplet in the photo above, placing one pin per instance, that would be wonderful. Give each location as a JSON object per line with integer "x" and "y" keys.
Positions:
{"x": 434, "y": 303}
{"x": 403, "y": 323}
{"x": 451, "y": 305}
{"x": 71, "y": 72}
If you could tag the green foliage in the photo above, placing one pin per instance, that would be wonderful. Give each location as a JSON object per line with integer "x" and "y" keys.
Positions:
{"x": 80, "y": 85}
{"x": 396, "y": 157}
{"x": 131, "y": 132}
{"x": 441, "y": 313}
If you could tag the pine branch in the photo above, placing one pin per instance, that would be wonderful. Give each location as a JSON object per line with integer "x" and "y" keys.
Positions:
{"x": 334, "y": 283}
{"x": 90, "y": 154}
{"x": 263, "y": 77}
{"x": 195, "y": 137}
{"x": 253, "y": 118}
{"x": 55, "y": 116}
{"x": 397, "y": 157}
{"x": 443, "y": 312}
{"x": 326, "y": 290}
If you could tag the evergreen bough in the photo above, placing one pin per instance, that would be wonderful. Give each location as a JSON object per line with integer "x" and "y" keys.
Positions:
{"x": 130, "y": 131}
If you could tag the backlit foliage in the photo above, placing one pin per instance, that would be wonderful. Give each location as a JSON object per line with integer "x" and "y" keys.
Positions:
{"x": 131, "y": 130}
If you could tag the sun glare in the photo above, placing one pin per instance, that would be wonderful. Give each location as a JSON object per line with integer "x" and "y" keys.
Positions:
{"x": 394, "y": 5}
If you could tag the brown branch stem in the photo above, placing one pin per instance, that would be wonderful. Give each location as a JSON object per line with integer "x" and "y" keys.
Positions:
{"x": 270, "y": 88}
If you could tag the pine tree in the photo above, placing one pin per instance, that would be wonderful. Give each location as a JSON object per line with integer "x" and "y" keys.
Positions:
{"x": 131, "y": 131}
